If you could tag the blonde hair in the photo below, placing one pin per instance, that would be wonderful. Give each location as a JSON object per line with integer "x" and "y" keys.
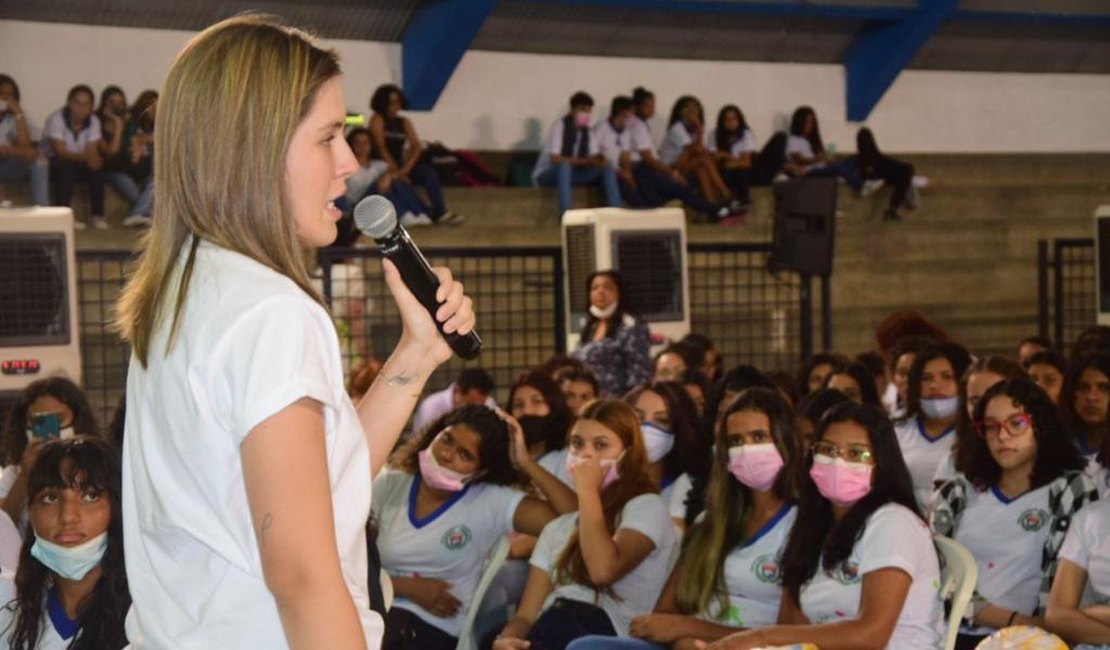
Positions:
{"x": 226, "y": 114}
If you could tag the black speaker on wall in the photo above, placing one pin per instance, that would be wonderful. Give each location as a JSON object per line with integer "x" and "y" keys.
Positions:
{"x": 805, "y": 225}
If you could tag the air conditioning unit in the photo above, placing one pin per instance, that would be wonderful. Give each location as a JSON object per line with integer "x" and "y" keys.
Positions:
{"x": 38, "y": 301}
{"x": 648, "y": 247}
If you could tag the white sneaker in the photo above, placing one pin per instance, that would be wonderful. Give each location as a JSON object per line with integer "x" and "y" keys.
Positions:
{"x": 781, "y": 178}
{"x": 79, "y": 225}
{"x": 921, "y": 181}
{"x": 871, "y": 186}
{"x": 100, "y": 223}
{"x": 410, "y": 220}
{"x": 136, "y": 221}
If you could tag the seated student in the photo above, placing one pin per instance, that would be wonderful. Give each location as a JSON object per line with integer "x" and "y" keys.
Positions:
{"x": 900, "y": 358}
{"x": 805, "y": 150}
{"x": 580, "y": 387}
{"x": 927, "y": 432}
{"x": 396, "y": 142}
{"x": 571, "y": 157}
{"x": 1031, "y": 345}
{"x": 453, "y": 493}
{"x": 68, "y": 414}
{"x": 1047, "y": 369}
{"x": 816, "y": 369}
{"x": 696, "y": 385}
{"x": 19, "y": 159}
{"x": 734, "y": 149}
{"x": 138, "y": 143}
{"x": 728, "y": 575}
{"x": 536, "y": 401}
{"x": 71, "y": 587}
{"x": 646, "y": 181}
{"x": 874, "y": 167}
{"x": 1012, "y": 505}
{"x": 812, "y": 408}
{"x": 683, "y": 149}
{"x": 114, "y": 118}
{"x": 859, "y": 569}
{"x": 594, "y": 570}
{"x": 1079, "y": 603}
{"x": 472, "y": 386}
{"x": 373, "y": 176}
{"x": 856, "y": 382}
{"x": 709, "y": 360}
{"x": 70, "y": 140}
{"x": 668, "y": 423}
{"x": 671, "y": 363}
{"x": 1085, "y": 400}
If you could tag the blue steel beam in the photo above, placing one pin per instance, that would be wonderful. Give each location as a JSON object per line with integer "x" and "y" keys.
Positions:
{"x": 436, "y": 37}
{"x": 881, "y": 50}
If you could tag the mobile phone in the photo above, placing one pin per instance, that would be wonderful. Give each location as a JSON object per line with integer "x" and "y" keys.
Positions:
{"x": 46, "y": 425}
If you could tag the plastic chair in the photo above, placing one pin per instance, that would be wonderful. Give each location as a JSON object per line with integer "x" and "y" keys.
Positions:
{"x": 497, "y": 556}
{"x": 958, "y": 576}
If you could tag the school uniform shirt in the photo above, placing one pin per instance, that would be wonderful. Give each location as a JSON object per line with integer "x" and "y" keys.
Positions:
{"x": 1087, "y": 546}
{"x": 923, "y": 455}
{"x": 753, "y": 575}
{"x": 1099, "y": 474}
{"x": 946, "y": 470}
{"x": 553, "y": 145}
{"x": 449, "y": 544}
{"x": 678, "y": 138}
{"x": 57, "y": 129}
{"x": 893, "y": 538}
{"x": 555, "y": 462}
{"x": 56, "y": 630}
{"x": 249, "y": 343}
{"x": 359, "y": 182}
{"x": 1007, "y": 537}
{"x": 638, "y": 590}
{"x": 7, "y": 479}
{"x": 641, "y": 138}
{"x": 744, "y": 144}
{"x": 676, "y": 504}
{"x": 612, "y": 143}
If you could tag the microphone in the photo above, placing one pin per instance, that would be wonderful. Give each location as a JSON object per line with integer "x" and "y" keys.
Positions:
{"x": 376, "y": 218}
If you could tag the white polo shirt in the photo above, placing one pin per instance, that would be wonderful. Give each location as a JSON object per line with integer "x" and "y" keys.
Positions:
{"x": 555, "y": 462}
{"x": 746, "y": 143}
{"x": 1087, "y": 545}
{"x": 923, "y": 455}
{"x": 677, "y": 139}
{"x": 641, "y": 138}
{"x": 553, "y": 145}
{"x": 612, "y": 143}
{"x": 57, "y": 129}
{"x": 249, "y": 343}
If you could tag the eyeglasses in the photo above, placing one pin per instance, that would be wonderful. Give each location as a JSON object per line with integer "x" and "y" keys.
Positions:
{"x": 1016, "y": 425}
{"x": 851, "y": 453}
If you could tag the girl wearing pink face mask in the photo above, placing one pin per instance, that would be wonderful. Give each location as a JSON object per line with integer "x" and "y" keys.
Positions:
{"x": 450, "y": 495}
{"x": 860, "y": 568}
{"x": 593, "y": 571}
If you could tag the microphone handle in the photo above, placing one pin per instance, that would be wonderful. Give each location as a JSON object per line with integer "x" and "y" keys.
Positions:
{"x": 423, "y": 283}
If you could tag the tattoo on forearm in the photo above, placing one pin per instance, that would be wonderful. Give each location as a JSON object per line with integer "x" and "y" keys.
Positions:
{"x": 401, "y": 379}
{"x": 267, "y": 521}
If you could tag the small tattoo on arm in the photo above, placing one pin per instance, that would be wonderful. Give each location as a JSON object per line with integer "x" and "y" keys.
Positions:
{"x": 401, "y": 379}
{"x": 267, "y": 521}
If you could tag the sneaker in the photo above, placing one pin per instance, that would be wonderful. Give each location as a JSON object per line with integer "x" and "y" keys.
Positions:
{"x": 100, "y": 223}
{"x": 410, "y": 220}
{"x": 450, "y": 218}
{"x": 781, "y": 178}
{"x": 79, "y": 225}
{"x": 921, "y": 181}
{"x": 738, "y": 205}
{"x": 871, "y": 186}
{"x": 136, "y": 221}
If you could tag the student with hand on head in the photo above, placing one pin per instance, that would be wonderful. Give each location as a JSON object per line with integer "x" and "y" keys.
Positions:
{"x": 571, "y": 156}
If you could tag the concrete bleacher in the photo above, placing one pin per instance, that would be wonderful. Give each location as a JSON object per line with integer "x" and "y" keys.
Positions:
{"x": 967, "y": 257}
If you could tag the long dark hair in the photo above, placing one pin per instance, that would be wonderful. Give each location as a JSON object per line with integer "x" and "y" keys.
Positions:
{"x": 76, "y": 463}
{"x": 624, "y": 306}
{"x": 496, "y": 465}
{"x": 956, "y": 355}
{"x": 379, "y": 101}
{"x": 723, "y": 136}
{"x": 7, "y": 79}
{"x": 814, "y": 360}
{"x": 680, "y": 105}
{"x": 1056, "y": 449}
{"x": 141, "y": 110}
{"x": 561, "y": 415}
{"x": 966, "y": 438}
{"x": 709, "y": 543}
{"x": 105, "y": 94}
{"x": 819, "y": 541}
{"x": 798, "y": 123}
{"x": 869, "y": 394}
{"x": 1099, "y": 361}
{"x": 61, "y": 389}
{"x": 684, "y": 423}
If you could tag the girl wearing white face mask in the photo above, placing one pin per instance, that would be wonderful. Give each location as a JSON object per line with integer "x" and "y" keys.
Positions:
{"x": 668, "y": 423}
{"x": 613, "y": 343}
{"x": 593, "y": 571}
{"x": 71, "y": 588}
{"x": 927, "y": 433}
{"x": 859, "y": 569}
{"x": 729, "y": 575}
{"x": 63, "y": 404}
{"x": 450, "y": 495}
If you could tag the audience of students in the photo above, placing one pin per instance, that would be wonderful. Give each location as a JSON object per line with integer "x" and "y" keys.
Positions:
{"x": 571, "y": 156}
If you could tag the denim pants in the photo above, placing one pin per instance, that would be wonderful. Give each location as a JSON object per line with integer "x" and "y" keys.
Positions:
{"x": 14, "y": 168}
{"x": 424, "y": 175}
{"x": 563, "y": 175}
{"x": 654, "y": 188}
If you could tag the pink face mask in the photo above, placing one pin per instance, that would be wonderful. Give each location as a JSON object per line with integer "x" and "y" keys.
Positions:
{"x": 756, "y": 466}
{"x": 582, "y": 119}
{"x": 839, "y": 481}
{"x": 607, "y": 464}
{"x": 438, "y": 477}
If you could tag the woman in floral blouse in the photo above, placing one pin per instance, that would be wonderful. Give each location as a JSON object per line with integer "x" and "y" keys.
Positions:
{"x": 614, "y": 343}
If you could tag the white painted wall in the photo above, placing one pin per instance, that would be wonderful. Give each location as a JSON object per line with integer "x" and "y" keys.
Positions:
{"x": 504, "y": 100}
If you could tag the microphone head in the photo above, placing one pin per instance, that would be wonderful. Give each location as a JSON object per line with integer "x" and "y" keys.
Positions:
{"x": 375, "y": 217}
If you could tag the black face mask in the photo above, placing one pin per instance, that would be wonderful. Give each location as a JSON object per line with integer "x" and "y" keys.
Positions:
{"x": 536, "y": 427}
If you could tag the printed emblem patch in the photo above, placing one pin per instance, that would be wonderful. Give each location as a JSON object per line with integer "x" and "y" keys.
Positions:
{"x": 848, "y": 574}
{"x": 766, "y": 568}
{"x": 1033, "y": 519}
{"x": 456, "y": 537}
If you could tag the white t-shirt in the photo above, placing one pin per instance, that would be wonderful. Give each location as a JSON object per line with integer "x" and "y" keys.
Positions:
{"x": 923, "y": 455}
{"x": 49, "y": 637}
{"x": 612, "y": 143}
{"x": 681, "y": 487}
{"x": 638, "y": 590}
{"x": 363, "y": 178}
{"x": 57, "y": 129}
{"x": 946, "y": 471}
{"x": 449, "y": 544}
{"x": 553, "y": 145}
{"x": 796, "y": 144}
{"x": 677, "y": 139}
{"x": 1007, "y": 538}
{"x": 249, "y": 343}
{"x": 753, "y": 575}
{"x": 555, "y": 462}
{"x": 1100, "y": 476}
{"x": 893, "y": 537}
{"x": 7, "y": 479}
{"x": 641, "y": 138}
{"x": 744, "y": 144}
{"x": 1087, "y": 545}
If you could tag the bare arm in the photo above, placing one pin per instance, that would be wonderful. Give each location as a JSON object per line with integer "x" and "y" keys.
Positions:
{"x": 1063, "y": 615}
{"x": 561, "y": 498}
{"x": 286, "y": 475}
{"x": 608, "y": 557}
{"x": 531, "y": 602}
{"x": 666, "y": 625}
{"x": 415, "y": 148}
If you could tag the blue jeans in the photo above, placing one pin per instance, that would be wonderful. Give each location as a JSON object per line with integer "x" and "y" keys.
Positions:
{"x": 145, "y": 203}
{"x": 124, "y": 184}
{"x": 563, "y": 176}
{"x": 612, "y": 643}
{"x": 14, "y": 168}
{"x": 424, "y": 175}
{"x": 654, "y": 188}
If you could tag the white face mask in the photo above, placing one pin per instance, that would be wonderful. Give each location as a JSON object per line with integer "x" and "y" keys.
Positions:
{"x": 602, "y": 314}
{"x": 939, "y": 409}
{"x": 657, "y": 441}
{"x": 70, "y": 562}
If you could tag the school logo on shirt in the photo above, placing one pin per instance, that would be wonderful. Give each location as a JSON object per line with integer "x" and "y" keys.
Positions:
{"x": 456, "y": 537}
{"x": 848, "y": 573}
{"x": 1033, "y": 519}
{"x": 766, "y": 568}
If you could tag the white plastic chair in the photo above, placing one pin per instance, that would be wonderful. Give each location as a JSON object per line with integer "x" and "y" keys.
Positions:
{"x": 958, "y": 576}
{"x": 497, "y": 556}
